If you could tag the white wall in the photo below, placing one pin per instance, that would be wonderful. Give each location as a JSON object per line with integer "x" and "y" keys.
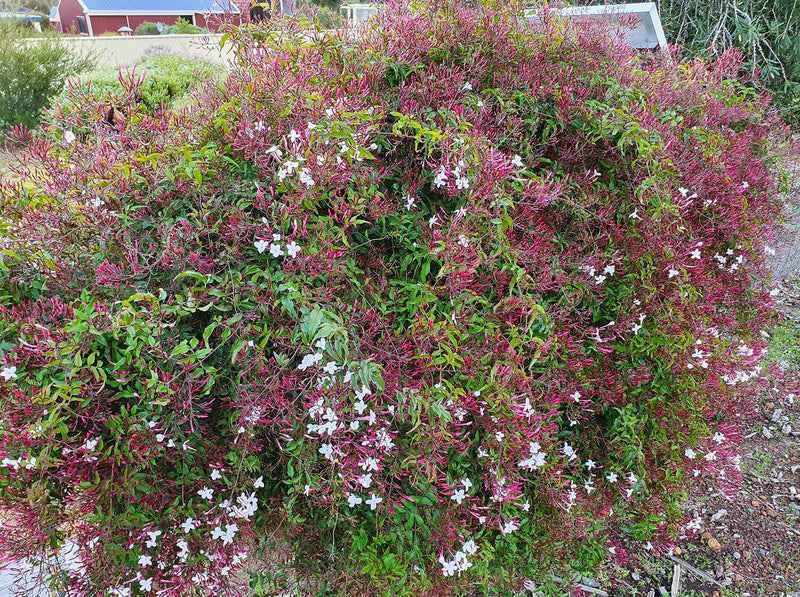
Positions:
{"x": 128, "y": 49}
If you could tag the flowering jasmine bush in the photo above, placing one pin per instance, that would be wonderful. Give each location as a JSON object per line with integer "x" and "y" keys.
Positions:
{"x": 459, "y": 300}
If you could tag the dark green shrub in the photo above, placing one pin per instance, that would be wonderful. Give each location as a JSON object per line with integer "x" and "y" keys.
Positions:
{"x": 183, "y": 27}
{"x": 147, "y": 28}
{"x": 33, "y": 69}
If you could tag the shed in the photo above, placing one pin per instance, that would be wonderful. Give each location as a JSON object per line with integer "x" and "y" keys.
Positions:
{"x": 96, "y": 17}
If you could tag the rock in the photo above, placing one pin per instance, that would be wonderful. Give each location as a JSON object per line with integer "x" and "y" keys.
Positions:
{"x": 714, "y": 544}
{"x": 766, "y": 433}
{"x": 770, "y": 405}
{"x": 719, "y": 514}
{"x": 787, "y": 429}
{"x": 677, "y": 551}
{"x": 740, "y": 542}
{"x": 715, "y": 594}
{"x": 738, "y": 577}
{"x": 706, "y": 535}
{"x": 756, "y": 504}
{"x": 736, "y": 555}
{"x": 776, "y": 416}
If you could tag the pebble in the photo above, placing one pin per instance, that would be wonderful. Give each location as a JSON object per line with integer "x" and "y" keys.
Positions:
{"x": 737, "y": 555}
{"x": 766, "y": 433}
{"x": 776, "y": 416}
{"x": 714, "y": 544}
{"x": 677, "y": 551}
{"x": 787, "y": 429}
{"x": 719, "y": 514}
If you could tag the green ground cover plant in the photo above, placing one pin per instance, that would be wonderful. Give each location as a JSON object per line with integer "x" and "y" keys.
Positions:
{"x": 155, "y": 82}
{"x": 460, "y": 301}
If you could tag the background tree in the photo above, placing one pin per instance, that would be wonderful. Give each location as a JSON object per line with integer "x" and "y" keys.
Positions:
{"x": 768, "y": 33}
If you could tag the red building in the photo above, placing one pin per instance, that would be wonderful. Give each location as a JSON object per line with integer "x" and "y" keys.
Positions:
{"x": 96, "y": 17}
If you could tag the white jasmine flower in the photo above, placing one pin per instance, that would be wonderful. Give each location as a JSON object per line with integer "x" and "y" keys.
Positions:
{"x": 146, "y": 584}
{"x": 373, "y": 501}
{"x": 433, "y": 221}
{"x": 441, "y": 178}
{"x": 259, "y": 483}
{"x": 509, "y": 527}
{"x": 353, "y": 500}
{"x": 275, "y": 250}
{"x": 612, "y": 477}
{"x": 153, "y": 541}
{"x": 189, "y": 525}
{"x": 305, "y": 177}
{"x": 410, "y": 202}
{"x": 327, "y": 451}
{"x": 467, "y": 86}
{"x": 9, "y": 373}
{"x": 293, "y": 249}
{"x": 516, "y": 161}
{"x": 448, "y": 567}
{"x": 293, "y": 136}
{"x": 145, "y": 560}
{"x": 206, "y": 493}
{"x": 216, "y": 475}
{"x": 69, "y": 137}
{"x": 458, "y": 496}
